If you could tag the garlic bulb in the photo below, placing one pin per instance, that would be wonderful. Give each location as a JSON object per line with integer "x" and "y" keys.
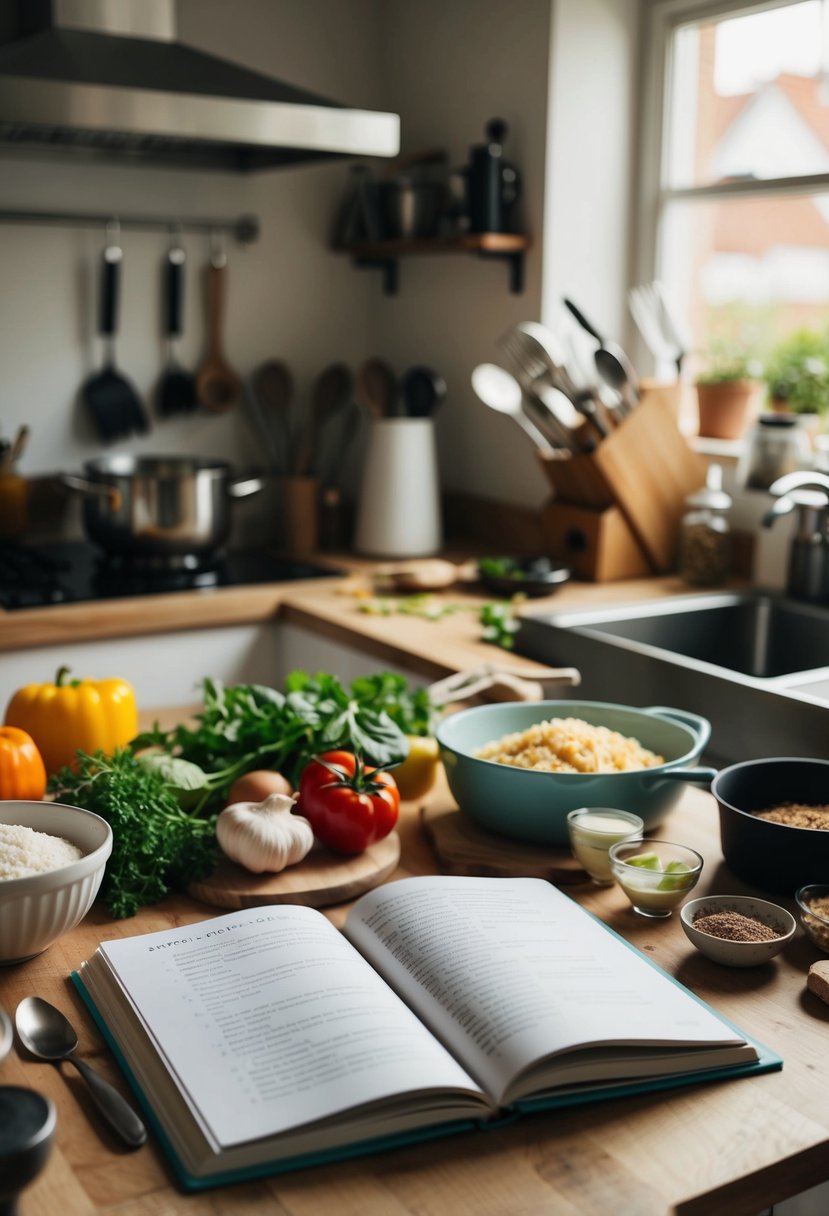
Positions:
{"x": 264, "y": 836}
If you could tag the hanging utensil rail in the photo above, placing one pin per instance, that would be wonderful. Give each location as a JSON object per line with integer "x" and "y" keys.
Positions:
{"x": 244, "y": 228}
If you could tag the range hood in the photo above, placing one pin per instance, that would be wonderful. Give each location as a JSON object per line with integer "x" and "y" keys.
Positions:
{"x": 109, "y": 78}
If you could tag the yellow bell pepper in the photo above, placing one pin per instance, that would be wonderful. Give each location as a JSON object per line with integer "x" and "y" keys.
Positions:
{"x": 74, "y": 715}
{"x": 418, "y": 772}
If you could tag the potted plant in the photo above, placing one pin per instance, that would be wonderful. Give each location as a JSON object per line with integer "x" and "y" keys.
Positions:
{"x": 797, "y": 377}
{"x": 728, "y": 390}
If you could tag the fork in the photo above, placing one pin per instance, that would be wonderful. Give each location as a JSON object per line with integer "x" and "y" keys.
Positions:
{"x": 658, "y": 324}
{"x": 540, "y": 372}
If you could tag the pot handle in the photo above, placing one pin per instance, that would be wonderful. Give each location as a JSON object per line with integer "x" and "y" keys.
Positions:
{"x": 696, "y": 776}
{"x": 80, "y": 485}
{"x": 243, "y": 487}
{"x": 699, "y": 725}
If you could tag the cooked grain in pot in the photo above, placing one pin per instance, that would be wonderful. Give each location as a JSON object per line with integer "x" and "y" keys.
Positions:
{"x": 569, "y": 745}
{"x": 798, "y": 815}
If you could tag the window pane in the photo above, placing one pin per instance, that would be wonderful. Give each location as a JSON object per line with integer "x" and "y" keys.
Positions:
{"x": 749, "y": 271}
{"x": 750, "y": 97}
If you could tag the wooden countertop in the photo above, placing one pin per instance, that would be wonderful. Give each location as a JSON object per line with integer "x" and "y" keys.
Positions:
{"x": 732, "y": 1147}
{"x": 324, "y": 606}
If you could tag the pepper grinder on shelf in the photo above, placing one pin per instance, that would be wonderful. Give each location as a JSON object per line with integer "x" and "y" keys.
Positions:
{"x": 705, "y": 534}
{"x": 494, "y": 184}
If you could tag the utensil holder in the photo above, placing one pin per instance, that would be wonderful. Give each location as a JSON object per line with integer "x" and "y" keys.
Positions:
{"x": 299, "y": 500}
{"x": 398, "y": 513}
{"x": 644, "y": 469}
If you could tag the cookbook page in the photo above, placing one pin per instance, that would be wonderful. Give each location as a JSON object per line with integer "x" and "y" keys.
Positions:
{"x": 268, "y": 1020}
{"x": 508, "y": 970}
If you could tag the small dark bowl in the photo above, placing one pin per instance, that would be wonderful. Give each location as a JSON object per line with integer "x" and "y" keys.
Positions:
{"x": 772, "y": 856}
{"x": 524, "y": 575}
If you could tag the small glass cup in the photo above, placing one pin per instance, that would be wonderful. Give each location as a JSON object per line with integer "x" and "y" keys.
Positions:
{"x": 592, "y": 830}
{"x": 656, "y": 875}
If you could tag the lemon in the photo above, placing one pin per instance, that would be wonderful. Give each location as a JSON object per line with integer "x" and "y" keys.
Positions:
{"x": 416, "y": 775}
{"x": 648, "y": 861}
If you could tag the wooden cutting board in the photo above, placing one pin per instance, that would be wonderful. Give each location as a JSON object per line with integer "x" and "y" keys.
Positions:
{"x": 464, "y": 848}
{"x": 319, "y": 880}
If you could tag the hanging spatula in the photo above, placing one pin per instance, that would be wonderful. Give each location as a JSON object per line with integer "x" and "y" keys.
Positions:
{"x": 177, "y": 388}
{"x": 114, "y": 404}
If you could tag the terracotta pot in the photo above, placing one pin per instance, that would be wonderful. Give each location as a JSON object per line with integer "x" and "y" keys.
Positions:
{"x": 727, "y": 408}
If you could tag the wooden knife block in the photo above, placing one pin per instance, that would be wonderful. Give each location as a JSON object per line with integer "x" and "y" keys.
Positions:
{"x": 615, "y": 511}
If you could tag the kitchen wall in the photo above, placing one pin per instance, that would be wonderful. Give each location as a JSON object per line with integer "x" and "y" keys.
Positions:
{"x": 446, "y": 66}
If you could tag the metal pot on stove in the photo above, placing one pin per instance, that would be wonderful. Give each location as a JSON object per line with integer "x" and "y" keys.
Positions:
{"x": 159, "y": 506}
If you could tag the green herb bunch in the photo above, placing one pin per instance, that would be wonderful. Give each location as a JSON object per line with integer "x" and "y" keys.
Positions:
{"x": 156, "y": 844}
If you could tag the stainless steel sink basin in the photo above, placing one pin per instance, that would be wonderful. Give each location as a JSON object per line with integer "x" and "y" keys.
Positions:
{"x": 755, "y": 663}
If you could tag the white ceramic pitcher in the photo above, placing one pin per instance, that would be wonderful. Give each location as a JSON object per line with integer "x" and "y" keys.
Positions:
{"x": 398, "y": 512}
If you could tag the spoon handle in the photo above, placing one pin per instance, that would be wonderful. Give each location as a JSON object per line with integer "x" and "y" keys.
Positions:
{"x": 112, "y": 1106}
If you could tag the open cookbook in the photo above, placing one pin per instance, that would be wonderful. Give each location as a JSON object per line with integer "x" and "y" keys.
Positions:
{"x": 266, "y": 1039}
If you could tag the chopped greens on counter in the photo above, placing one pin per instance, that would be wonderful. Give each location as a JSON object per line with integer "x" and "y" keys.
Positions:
{"x": 500, "y": 625}
{"x": 156, "y": 845}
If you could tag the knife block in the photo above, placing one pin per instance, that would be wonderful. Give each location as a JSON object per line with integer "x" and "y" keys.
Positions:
{"x": 615, "y": 511}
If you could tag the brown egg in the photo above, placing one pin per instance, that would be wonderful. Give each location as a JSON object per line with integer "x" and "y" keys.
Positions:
{"x": 258, "y": 785}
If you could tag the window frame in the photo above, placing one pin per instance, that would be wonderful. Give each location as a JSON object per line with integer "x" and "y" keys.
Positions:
{"x": 654, "y": 195}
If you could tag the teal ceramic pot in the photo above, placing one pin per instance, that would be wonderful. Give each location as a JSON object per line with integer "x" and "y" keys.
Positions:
{"x": 532, "y": 806}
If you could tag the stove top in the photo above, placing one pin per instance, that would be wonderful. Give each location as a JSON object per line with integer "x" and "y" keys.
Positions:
{"x": 71, "y": 572}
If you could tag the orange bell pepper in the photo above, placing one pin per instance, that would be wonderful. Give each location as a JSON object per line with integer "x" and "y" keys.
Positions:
{"x": 75, "y": 715}
{"x": 22, "y": 774}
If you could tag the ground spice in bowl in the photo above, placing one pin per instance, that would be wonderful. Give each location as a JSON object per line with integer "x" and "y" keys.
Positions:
{"x": 734, "y": 927}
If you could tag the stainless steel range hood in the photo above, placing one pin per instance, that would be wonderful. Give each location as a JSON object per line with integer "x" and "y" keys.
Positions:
{"x": 108, "y": 78}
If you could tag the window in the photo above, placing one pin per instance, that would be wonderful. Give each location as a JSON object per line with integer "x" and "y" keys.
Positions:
{"x": 735, "y": 197}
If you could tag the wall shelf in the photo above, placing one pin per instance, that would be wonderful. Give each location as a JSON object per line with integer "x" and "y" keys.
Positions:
{"x": 508, "y": 247}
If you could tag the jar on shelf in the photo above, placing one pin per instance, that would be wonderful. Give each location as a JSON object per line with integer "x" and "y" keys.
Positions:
{"x": 777, "y": 445}
{"x": 705, "y": 534}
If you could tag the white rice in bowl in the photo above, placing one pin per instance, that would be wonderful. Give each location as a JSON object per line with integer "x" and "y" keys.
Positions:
{"x": 24, "y": 852}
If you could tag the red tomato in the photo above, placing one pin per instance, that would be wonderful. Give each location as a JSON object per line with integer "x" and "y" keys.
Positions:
{"x": 349, "y": 805}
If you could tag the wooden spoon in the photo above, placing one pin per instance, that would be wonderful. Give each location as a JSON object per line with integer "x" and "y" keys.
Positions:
{"x": 331, "y": 393}
{"x": 377, "y": 388}
{"x": 218, "y": 388}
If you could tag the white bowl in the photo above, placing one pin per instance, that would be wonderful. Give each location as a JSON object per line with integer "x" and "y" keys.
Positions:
{"x": 738, "y": 954}
{"x": 35, "y": 911}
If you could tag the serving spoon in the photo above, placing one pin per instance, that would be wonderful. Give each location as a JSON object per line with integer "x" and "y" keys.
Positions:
{"x": 48, "y": 1034}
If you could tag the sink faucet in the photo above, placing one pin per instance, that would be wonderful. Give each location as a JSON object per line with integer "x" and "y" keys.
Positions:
{"x": 808, "y": 577}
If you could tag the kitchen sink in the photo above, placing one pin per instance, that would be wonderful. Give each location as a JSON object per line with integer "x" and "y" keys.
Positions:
{"x": 755, "y": 663}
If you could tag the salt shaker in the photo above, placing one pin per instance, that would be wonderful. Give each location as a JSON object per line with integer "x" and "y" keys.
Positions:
{"x": 705, "y": 534}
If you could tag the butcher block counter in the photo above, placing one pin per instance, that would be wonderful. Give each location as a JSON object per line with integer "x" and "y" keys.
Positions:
{"x": 730, "y": 1147}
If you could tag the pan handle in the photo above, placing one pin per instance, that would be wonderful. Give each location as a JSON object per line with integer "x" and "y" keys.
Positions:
{"x": 696, "y": 776}
{"x": 243, "y": 487}
{"x": 80, "y": 485}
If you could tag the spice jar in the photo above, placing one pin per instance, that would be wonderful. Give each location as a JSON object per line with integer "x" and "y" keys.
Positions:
{"x": 705, "y": 534}
{"x": 777, "y": 445}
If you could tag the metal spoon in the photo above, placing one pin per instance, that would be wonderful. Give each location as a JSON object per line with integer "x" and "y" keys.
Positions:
{"x": 47, "y": 1033}
{"x": 612, "y": 364}
{"x": 502, "y": 392}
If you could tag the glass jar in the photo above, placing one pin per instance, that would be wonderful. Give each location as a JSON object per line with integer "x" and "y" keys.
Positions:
{"x": 705, "y": 534}
{"x": 777, "y": 445}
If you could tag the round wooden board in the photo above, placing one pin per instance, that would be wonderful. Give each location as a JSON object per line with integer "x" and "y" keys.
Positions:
{"x": 319, "y": 880}
{"x": 464, "y": 848}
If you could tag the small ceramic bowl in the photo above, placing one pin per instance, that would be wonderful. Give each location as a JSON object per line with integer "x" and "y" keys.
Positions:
{"x": 38, "y": 909}
{"x": 656, "y": 875}
{"x": 731, "y": 953}
{"x": 816, "y": 924}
